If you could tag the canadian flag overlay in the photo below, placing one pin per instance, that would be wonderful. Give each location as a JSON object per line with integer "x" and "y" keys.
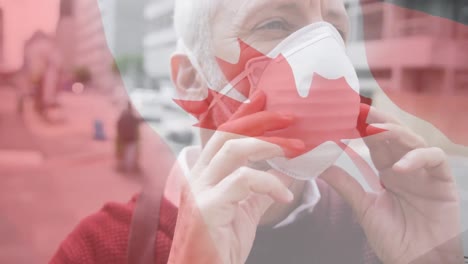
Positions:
{"x": 88, "y": 117}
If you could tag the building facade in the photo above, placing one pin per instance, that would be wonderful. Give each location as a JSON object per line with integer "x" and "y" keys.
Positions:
{"x": 92, "y": 49}
{"x": 124, "y": 27}
{"x": 160, "y": 39}
{"x": 109, "y": 20}
{"x": 434, "y": 65}
{"x": 82, "y": 41}
{"x": 129, "y": 27}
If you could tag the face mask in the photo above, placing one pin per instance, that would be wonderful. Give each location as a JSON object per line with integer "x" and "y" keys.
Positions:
{"x": 310, "y": 76}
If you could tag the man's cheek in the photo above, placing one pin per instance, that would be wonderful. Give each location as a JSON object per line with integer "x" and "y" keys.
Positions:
{"x": 226, "y": 48}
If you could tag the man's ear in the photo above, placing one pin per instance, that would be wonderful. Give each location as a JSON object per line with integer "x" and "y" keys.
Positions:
{"x": 191, "y": 89}
{"x": 186, "y": 79}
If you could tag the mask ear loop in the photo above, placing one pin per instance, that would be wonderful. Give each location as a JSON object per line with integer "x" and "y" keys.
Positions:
{"x": 214, "y": 97}
{"x": 228, "y": 91}
{"x": 253, "y": 70}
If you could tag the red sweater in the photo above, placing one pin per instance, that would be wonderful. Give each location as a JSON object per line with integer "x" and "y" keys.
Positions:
{"x": 102, "y": 238}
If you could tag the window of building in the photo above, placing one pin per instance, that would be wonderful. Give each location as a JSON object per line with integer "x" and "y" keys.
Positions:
{"x": 427, "y": 80}
{"x": 374, "y": 25}
{"x": 370, "y": 20}
{"x": 161, "y": 22}
{"x": 461, "y": 80}
{"x": 66, "y": 8}
{"x": 375, "y": 73}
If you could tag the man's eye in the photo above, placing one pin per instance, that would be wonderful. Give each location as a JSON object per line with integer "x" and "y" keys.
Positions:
{"x": 273, "y": 25}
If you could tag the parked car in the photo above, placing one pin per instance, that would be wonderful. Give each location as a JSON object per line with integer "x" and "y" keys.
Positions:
{"x": 164, "y": 116}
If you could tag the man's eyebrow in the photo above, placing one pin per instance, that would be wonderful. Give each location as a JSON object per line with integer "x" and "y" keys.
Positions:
{"x": 287, "y": 5}
{"x": 281, "y": 5}
{"x": 249, "y": 9}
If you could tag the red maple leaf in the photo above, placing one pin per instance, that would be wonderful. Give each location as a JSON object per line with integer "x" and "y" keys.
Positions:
{"x": 215, "y": 103}
{"x": 330, "y": 112}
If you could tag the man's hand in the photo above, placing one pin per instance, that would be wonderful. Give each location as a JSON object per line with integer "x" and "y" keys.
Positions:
{"x": 223, "y": 201}
{"x": 417, "y": 210}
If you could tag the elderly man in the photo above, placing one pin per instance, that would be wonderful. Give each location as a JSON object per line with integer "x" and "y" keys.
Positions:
{"x": 234, "y": 209}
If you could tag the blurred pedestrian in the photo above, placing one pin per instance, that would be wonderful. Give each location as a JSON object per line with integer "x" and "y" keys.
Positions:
{"x": 127, "y": 150}
{"x": 36, "y": 52}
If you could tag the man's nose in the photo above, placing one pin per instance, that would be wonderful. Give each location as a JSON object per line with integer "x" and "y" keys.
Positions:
{"x": 322, "y": 9}
{"x": 312, "y": 8}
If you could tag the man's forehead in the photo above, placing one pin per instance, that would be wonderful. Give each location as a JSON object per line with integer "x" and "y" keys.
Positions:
{"x": 235, "y": 14}
{"x": 252, "y": 5}
{"x": 239, "y": 11}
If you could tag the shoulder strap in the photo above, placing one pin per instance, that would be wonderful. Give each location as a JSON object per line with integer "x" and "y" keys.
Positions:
{"x": 143, "y": 230}
{"x": 146, "y": 215}
{"x": 145, "y": 219}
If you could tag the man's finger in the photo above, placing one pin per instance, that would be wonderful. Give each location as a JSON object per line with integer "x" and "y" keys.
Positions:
{"x": 253, "y": 126}
{"x": 291, "y": 147}
{"x": 376, "y": 116}
{"x": 434, "y": 160}
{"x": 398, "y": 134}
{"x": 246, "y": 181}
{"x": 389, "y": 146}
{"x": 238, "y": 152}
{"x": 257, "y": 124}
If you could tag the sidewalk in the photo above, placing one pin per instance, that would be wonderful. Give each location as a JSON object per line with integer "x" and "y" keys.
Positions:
{"x": 73, "y": 136}
{"x": 18, "y": 146}
{"x": 41, "y": 204}
{"x": 40, "y": 207}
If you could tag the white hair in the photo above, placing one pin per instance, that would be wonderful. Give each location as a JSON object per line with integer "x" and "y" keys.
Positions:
{"x": 192, "y": 20}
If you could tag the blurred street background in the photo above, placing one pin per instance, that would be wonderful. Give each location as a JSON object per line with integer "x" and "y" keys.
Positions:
{"x": 68, "y": 68}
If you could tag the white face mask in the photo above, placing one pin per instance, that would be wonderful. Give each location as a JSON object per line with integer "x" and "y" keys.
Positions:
{"x": 303, "y": 66}
{"x": 317, "y": 49}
